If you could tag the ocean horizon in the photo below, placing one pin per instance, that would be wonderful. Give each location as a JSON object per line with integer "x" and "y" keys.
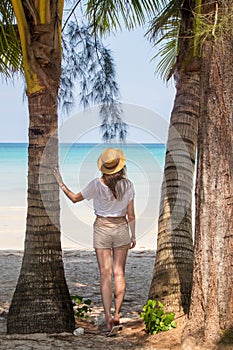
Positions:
{"x": 77, "y": 162}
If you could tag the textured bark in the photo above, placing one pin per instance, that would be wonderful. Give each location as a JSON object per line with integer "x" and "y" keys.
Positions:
{"x": 172, "y": 277}
{"x": 211, "y": 312}
{"x": 41, "y": 302}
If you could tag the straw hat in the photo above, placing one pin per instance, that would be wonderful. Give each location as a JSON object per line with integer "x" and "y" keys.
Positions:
{"x": 111, "y": 161}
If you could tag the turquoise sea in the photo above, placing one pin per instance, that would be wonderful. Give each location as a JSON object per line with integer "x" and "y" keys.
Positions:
{"x": 78, "y": 166}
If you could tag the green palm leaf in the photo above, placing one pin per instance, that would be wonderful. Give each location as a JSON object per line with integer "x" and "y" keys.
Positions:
{"x": 10, "y": 48}
{"x": 107, "y": 15}
{"x": 164, "y": 30}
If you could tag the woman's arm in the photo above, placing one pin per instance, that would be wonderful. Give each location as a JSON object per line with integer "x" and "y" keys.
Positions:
{"x": 131, "y": 220}
{"x": 74, "y": 197}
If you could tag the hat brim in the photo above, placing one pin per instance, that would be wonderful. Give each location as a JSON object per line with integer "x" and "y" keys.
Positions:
{"x": 120, "y": 165}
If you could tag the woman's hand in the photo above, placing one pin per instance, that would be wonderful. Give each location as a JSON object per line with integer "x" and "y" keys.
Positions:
{"x": 133, "y": 242}
{"x": 58, "y": 177}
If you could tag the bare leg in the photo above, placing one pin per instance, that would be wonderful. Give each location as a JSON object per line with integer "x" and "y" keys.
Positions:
{"x": 119, "y": 261}
{"x": 105, "y": 268}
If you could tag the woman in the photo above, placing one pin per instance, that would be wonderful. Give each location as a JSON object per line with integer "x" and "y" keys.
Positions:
{"x": 113, "y": 200}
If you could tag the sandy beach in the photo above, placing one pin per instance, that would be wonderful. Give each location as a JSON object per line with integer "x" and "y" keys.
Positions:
{"x": 83, "y": 279}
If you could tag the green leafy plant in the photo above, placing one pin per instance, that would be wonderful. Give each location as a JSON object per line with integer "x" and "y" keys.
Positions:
{"x": 155, "y": 319}
{"x": 81, "y": 306}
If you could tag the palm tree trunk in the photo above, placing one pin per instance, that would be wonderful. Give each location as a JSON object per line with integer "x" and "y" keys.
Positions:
{"x": 172, "y": 276}
{"x": 41, "y": 302}
{"x": 211, "y": 312}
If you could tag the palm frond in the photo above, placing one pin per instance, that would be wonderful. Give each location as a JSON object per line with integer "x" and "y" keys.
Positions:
{"x": 164, "y": 30}
{"x": 168, "y": 53}
{"x": 107, "y": 15}
{"x": 163, "y": 18}
{"x": 10, "y": 48}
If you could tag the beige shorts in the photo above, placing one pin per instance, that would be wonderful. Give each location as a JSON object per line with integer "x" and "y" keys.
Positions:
{"x": 111, "y": 233}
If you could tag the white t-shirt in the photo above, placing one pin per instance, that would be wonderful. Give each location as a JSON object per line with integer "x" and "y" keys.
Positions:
{"x": 105, "y": 204}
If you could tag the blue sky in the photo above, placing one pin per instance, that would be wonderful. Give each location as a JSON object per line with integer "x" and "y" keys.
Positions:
{"x": 136, "y": 77}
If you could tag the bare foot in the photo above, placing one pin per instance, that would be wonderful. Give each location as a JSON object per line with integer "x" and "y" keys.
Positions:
{"x": 110, "y": 322}
{"x": 116, "y": 320}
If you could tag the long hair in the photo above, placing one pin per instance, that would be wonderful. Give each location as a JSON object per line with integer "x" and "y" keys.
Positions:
{"x": 117, "y": 183}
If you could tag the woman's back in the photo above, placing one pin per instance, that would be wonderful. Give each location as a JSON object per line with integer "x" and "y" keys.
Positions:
{"x": 104, "y": 202}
